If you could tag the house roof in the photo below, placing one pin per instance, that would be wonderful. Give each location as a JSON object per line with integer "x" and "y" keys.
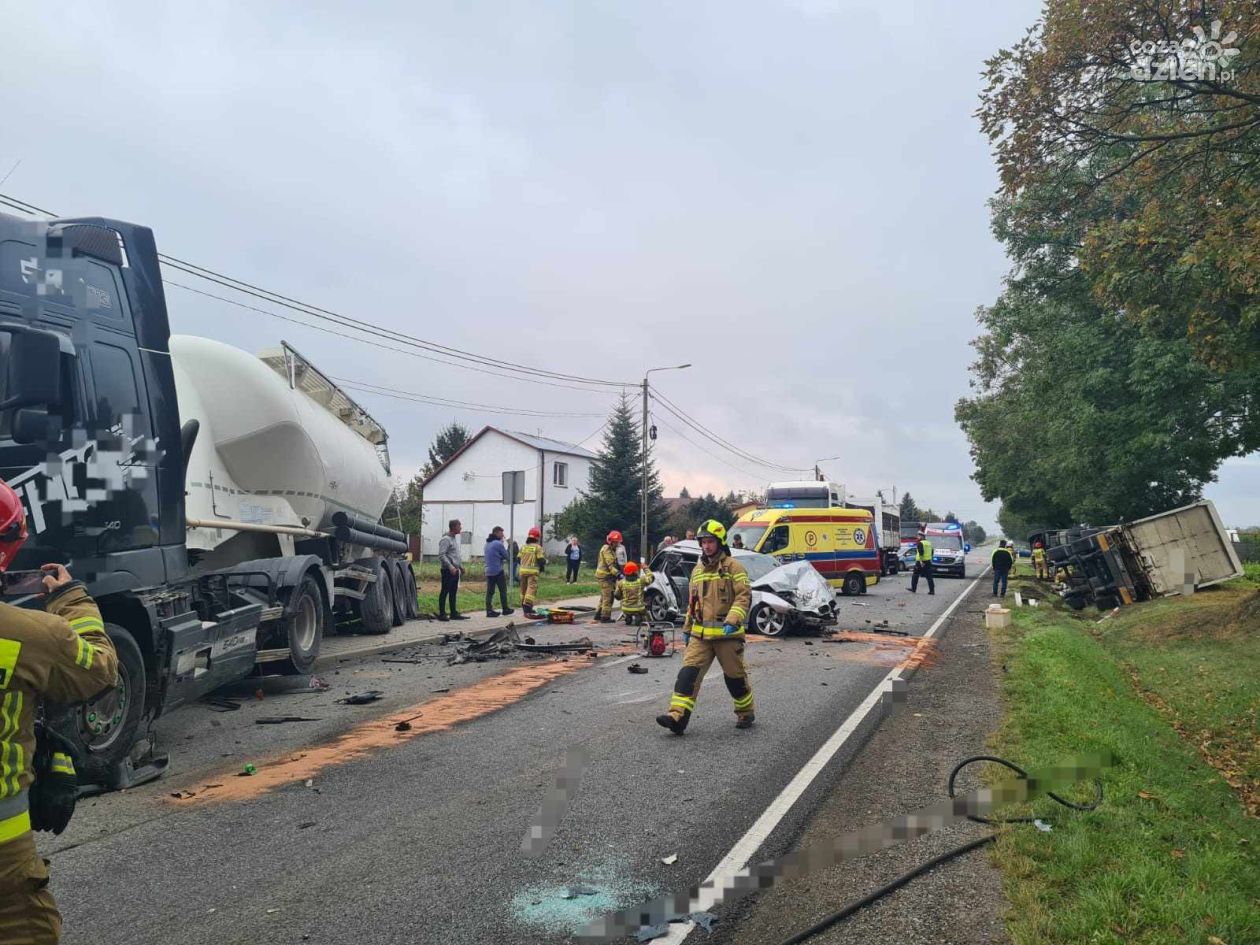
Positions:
{"x": 536, "y": 442}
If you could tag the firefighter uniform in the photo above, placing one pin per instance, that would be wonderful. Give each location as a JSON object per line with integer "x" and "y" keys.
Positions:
{"x": 630, "y": 591}
{"x": 64, "y": 656}
{"x": 606, "y": 573}
{"x": 719, "y": 597}
{"x": 532, "y": 560}
{"x": 1039, "y": 563}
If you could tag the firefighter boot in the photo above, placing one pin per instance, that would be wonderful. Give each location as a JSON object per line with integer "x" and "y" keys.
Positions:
{"x": 746, "y": 720}
{"x": 677, "y": 725}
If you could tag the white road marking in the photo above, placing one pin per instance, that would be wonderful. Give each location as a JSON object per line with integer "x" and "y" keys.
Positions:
{"x": 619, "y": 660}
{"x": 743, "y": 851}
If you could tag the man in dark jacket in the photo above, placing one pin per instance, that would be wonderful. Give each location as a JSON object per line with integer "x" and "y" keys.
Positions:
{"x": 496, "y": 575}
{"x": 1003, "y": 561}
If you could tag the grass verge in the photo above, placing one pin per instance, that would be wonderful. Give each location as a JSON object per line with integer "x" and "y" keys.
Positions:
{"x": 472, "y": 587}
{"x": 1171, "y": 688}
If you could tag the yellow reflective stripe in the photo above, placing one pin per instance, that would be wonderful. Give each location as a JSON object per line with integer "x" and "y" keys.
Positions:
{"x": 61, "y": 763}
{"x": 736, "y": 615}
{"x": 85, "y": 653}
{"x": 11, "y": 755}
{"x": 744, "y": 702}
{"x": 14, "y": 827}
{"x": 682, "y": 702}
{"x": 739, "y": 578}
{"x": 85, "y": 624}
{"x": 9, "y": 652}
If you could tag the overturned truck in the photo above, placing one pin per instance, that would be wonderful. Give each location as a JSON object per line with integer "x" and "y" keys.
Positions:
{"x": 1174, "y": 552}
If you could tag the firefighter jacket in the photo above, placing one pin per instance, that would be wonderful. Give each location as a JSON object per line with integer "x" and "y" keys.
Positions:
{"x": 719, "y": 594}
{"x": 532, "y": 558}
{"x": 630, "y": 591}
{"x": 606, "y": 564}
{"x": 62, "y": 655}
{"x": 1038, "y": 555}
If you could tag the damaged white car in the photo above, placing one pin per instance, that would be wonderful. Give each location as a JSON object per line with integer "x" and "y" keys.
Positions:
{"x": 784, "y": 596}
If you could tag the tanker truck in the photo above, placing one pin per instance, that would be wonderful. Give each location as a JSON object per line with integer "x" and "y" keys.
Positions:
{"x": 223, "y": 509}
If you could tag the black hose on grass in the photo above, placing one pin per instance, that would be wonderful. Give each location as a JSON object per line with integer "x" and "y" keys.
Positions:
{"x": 948, "y": 855}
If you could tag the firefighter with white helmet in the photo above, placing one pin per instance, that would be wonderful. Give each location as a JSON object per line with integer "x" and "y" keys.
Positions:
{"x": 717, "y": 609}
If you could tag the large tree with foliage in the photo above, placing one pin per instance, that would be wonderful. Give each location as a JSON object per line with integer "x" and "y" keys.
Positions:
{"x": 449, "y": 440}
{"x": 1109, "y": 382}
{"x": 616, "y": 489}
{"x": 407, "y": 505}
{"x": 909, "y": 511}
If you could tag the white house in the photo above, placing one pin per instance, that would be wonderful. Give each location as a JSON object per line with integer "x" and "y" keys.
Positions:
{"x": 469, "y": 487}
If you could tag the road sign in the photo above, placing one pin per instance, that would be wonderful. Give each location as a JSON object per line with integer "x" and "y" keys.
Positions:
{"x": 514, "y": 487}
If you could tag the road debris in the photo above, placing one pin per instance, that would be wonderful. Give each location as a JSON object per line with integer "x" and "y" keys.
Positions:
{"x": 183, "y": 795}
{"x": 306, "y": 823}
{"x": 282, "y": 719}
{"x": 248, "y": 771}
{"x": 706, "y": 920}
{"x": 670, "y": 860}
{"x": 259, "y": 686}
{"x": 220, "y": 703}
{"x": 580, "y": 890}
{"x": 362, "y": 698}
{"x": 638, "y": 668}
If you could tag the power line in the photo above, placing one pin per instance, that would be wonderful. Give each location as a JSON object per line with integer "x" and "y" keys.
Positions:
{"x": 396, "y": 394}
{"x": 714, "y": 438}
{"x": 755, "y": 477}
{"x": 346, "y": 321}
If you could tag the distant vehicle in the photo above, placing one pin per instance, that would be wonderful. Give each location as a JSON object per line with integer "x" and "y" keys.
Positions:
{"x": 784, "y": 596}
{"x": 910, "y": 531}
{"x": 804, "y": 494}
{"x": 949, "y": 550}
{"x": 839, "y": 543}
{"x": 887, "y": 519}
{"x": 907, "y": 554}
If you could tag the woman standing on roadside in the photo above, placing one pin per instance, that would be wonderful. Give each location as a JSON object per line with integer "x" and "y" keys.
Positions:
{"x": 573, "y": 558}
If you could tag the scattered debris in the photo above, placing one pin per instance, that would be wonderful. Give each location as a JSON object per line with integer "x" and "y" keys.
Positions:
{"x": 574, "y": 891}
{"x": 282, "y": 719}
{"x": 259, "y": 686}
{"x": 183, "y": 795}
{"x": 638, "y": 668}
{"x": 670, "y": 860}
{"x": 306, "y": 823}
{"x": 248, "y": 771}
{"x": 1114, "y": 611}
{"x": 402, "y": 727}
{"x": 706, "y": 920}
{"x": 648, "y": 932}
{"x": 1042, "y": 825}
{"x": 362, "y": 698}
{"x": 809, "y": 642}
{"x": 221, "y": 703}
{"x": 857, "y": 604}
{"x": 446, "y": 689}
{"x": 413, "y": 661}
{"x": 577, "y": 646}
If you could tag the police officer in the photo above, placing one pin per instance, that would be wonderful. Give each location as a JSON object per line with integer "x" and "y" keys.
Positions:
{"x": 717, "y": 608}
{"x": 922, "y": 565}
{"x": 607, "y": 570}
{"x": 62, "y": 655}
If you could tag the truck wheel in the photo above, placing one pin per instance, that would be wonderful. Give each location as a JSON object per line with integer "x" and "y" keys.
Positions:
{"x": 398, "y": 579}
{"x": 853, "y": 584}
{"x": 767, "y": 621}
{"x": 409, "y": 582}
{"x": 376, "y": 610}
{"x": 305, "y": 626}
{"x": 103, "y": 729}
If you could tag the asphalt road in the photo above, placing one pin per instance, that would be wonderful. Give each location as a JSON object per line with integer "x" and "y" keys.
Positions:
{"x": 352, "y": 832}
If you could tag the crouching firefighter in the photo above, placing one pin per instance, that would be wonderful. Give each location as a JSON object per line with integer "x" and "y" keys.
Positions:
{"x": 630, "y": 593}
{"x": 61, "y": 655}
{"x": 717, "y": 609}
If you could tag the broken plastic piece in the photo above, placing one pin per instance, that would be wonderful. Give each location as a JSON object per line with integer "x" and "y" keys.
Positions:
{"x": 706, "y": 920}
{"x": 638, "y": 668}
{"x": 670, "y": 860}
{"x": 362, "y": 698}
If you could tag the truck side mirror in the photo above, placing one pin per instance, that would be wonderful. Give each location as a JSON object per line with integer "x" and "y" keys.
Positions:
{"x": 32, "y": 369}
{"x": 30, "y": 425}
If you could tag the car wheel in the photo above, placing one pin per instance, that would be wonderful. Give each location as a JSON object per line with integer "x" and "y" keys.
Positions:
{"x": 853, "y": 584}
{"x": 767, "y": 621}
{"x": 657, "y": 609}
{"x": 103, "y": 729}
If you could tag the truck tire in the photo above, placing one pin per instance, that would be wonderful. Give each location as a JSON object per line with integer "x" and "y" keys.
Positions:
{"x": 409, "y": 583}
{"x": 376, "y": 610}
{"x": 854, "y": 583}
{"x": 103, "y": 729}
{"x": 304, "y": 627}
{"x": 398, "y": 579}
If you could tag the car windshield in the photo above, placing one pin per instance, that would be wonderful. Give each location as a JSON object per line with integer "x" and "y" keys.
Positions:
{"x": 750, "y": 535}
{"x": 945, "y": 542}
{"x": 758, "y": 566}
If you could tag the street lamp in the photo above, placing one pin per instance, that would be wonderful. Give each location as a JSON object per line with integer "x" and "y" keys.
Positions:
{"x": 826, "y": 459}
{"x": 643, "y": 531}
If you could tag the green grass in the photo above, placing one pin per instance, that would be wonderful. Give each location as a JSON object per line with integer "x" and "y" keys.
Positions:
{"x": 1171, "y": 856}
{"x": 472, "y": 587}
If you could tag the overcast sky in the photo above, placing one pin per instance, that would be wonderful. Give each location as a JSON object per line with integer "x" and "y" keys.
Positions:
{"x": 790, "y": 195}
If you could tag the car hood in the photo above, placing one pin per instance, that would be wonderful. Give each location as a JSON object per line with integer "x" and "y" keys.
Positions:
{"x": 809, "y": 589}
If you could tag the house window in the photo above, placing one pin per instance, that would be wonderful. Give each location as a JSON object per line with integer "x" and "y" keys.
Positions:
{"x": 560, "y": 475}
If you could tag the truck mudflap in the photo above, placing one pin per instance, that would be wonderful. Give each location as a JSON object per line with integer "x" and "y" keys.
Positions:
{"x": 208, "y": 654}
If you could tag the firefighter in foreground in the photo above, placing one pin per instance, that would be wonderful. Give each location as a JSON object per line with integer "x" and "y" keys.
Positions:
{"x": 1039, "y": 561}
{"x": 533, "y": 560}
{"x": 717, "y": 609}
{"x": 62, "y": 655}
{"x": 630, "y": 592}
{"x": 607, "y": 570}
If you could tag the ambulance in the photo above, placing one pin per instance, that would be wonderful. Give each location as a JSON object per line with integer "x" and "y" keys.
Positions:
{"x": 839, "y": 543}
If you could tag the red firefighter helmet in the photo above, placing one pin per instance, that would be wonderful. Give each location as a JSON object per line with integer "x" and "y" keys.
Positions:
{"x": 631, "y": 569}
{"x": 535, "y": 533}
{"x": 13, "y": 532}
{"x": 1036, "y": 544}
{"x": 613, "y": 536}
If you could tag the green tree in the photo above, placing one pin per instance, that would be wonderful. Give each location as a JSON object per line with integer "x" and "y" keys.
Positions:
{"x": 446, "y": 444}
{"x": 683, "y": 493}
{"x": 974, "y": 532}
{"x": 909, "y": 511}
{"x": 407, "y": 504}
{"x": 616, "y": 488}
{"x": 709, "y": 506}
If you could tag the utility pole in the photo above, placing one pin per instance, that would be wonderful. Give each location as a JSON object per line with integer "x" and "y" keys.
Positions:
{"x": 643, "y": 431}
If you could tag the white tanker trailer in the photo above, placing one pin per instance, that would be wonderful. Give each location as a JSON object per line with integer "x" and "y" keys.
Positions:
{"x": 223, "y": 509}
